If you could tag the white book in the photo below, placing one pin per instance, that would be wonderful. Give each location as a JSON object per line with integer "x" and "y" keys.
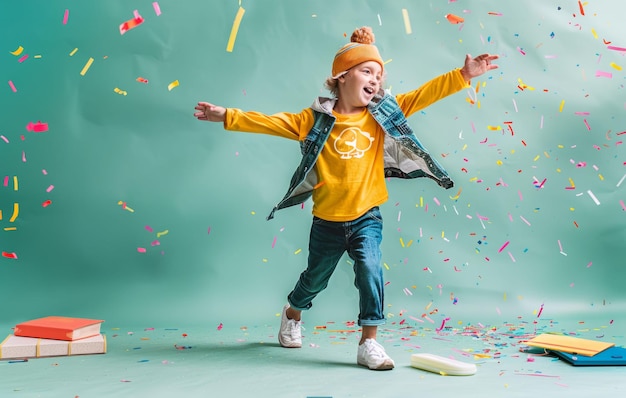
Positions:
{"x": 16, "y": 347}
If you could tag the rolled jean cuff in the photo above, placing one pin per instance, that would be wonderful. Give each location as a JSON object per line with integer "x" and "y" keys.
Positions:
{"x": 295, "y": 307}
{"x": 372, "y": 322}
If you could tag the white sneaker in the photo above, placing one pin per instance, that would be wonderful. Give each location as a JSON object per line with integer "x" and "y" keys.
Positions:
{"x": 372, "y": 355}
{"x": 290, "y": 334}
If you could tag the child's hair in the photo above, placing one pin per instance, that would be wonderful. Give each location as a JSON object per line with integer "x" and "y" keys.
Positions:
{"x": 360, "y": 49}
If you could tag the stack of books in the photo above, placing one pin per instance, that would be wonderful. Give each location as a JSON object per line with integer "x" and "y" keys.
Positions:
{"x": 54, "y": 336}
{"x": 580, "y": 352}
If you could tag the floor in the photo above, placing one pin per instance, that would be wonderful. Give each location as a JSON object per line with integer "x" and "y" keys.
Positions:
{"x": 246, "y": 361}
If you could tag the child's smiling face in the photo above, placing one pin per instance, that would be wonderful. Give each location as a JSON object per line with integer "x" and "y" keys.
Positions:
{"x": 359, "y": 85}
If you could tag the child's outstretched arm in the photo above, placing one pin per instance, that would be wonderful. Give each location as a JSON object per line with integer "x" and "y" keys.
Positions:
{"x": 210, "y": 112}
{"x": 474, "y": 67}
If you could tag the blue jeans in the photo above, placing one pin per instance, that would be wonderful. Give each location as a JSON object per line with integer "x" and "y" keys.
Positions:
{"x": 329, "y": 240}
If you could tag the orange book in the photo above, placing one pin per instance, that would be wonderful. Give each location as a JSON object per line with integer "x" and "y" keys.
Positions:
{"x": 569, "y": 344}
{"x": 59, "y": 328}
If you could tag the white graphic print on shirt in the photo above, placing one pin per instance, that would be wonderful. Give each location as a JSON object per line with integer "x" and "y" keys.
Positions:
{"x": 353, "y": 143}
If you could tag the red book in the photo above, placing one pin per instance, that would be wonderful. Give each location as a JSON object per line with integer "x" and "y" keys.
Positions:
{"x": 59, "y": 328}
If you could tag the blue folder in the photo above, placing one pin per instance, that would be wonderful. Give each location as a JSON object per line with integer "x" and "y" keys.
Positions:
{"x": 613, "y": 356}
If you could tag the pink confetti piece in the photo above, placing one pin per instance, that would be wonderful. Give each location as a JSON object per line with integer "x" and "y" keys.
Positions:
{"x": 220, "y": 326}
{"x": 148, "y": 228}
{"x": 590, "y": 263}
{"x": 5, "y": 139}
{"x": 12, "y": 86}
{"x": 141, "y": 249}
{"x": 443, "y": 324}
{"x": 23, "y": 58}
{"x": 600, "y": 73}
{"x": 274, "y": 242}
{"x": 621, "y": 202}
{"x": 511, "y": 256}
{"x": 503, "y": 246}
{"x": 6, "y": 181}
{"x": 437, "y": 201}
{"x": 587, "y": 124}
{"x": 525, "y": 220}
{"x": 540, "y": 311}
{"x": 155, "y": 243}
{"x": 157, "y": 8}
{"x": 66, "y": 15}
{"x": 616, "y": 48}
{"x": 208, "y": 231}
{"x": 23, "y": 156}
{"x": 50, "y": 188}
{"x": 37, "y": 127}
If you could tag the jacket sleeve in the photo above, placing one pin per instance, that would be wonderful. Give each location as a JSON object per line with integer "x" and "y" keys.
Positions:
{"x": 431, "y": 92}
{"x": 294, "y": 126}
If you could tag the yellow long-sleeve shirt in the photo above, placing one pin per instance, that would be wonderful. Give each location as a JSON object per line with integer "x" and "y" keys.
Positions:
{"x": 350, "y": 167}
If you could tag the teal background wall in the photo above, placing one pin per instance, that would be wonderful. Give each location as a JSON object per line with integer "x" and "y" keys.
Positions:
{"x": 204, "y": 193}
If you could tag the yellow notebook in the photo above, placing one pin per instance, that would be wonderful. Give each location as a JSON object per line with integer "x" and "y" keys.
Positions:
{"x": 572, "y": 345}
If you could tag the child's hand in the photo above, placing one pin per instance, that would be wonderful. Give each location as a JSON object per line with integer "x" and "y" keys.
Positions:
{"x": 210, "y": 112}
{"x": 475, "y": 67}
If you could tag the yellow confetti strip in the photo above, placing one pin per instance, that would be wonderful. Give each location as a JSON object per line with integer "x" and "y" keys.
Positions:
{"x": 593, "y": 32}
{"x": 297, "y": 251}
{"x": 494, "y": 128}
{"x": 561, "y": 106}
{"x": 401, "y": 242}
{"x": 15, "y": 183}
{"x": 455, "y": 197}
{"x": 386, "y": 266}
{"x": 235, "y": 29}
{"x": 173, "y": 84}
{"x": 407, "y": 21}
{"x": 10, "y": 229}
{"x": 18, "y": 51}
{"x": 524, "y": 86}
{"x": 86, "y": 67}
{"x": 159, "y": 234}
{"x": 73, "y": 51}
{"x": 615, "y": 66}
{"x": 16, "y": 212}
{"x": 120, "y": 92}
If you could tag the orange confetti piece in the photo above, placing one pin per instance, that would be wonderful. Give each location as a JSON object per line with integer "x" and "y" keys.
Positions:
{"x": 131, "y": 23}
{"x": 454, "y": 19}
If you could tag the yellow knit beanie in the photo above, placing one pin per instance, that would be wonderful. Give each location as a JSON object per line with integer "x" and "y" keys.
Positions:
{"x": 360, "y": 49}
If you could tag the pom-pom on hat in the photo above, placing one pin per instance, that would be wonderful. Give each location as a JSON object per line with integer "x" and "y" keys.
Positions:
{"x": 360, "y": 49}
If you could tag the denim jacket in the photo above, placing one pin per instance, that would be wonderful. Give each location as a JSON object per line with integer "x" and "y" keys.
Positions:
{"x": 405, "y": 157}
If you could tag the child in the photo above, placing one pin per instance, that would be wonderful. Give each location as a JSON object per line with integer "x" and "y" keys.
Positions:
{"x": 350, "y": 144}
